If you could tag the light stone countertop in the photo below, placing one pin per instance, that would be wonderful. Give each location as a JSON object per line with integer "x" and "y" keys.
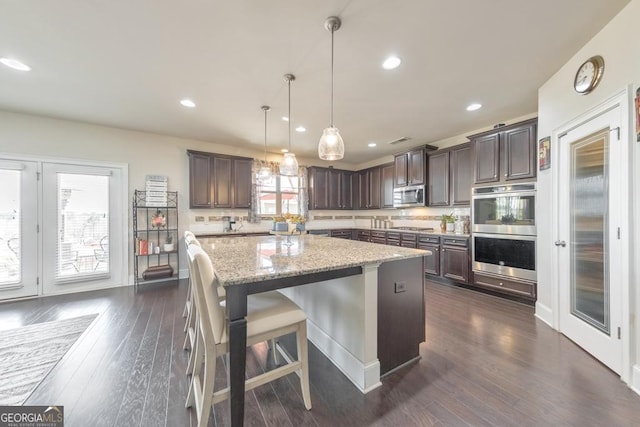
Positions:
{"x": 255, "y": 258}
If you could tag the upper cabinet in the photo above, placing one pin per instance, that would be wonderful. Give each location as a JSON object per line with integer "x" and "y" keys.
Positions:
{"x": 505, "y": 154}
{"x": 330, "y": 188}
{"x": 450, "y": 176}
{"x": 368, "y": 184}
{"x": 409, "y": 168}
{"x": 387, "y": 173}
{"x": 218, "y": 181}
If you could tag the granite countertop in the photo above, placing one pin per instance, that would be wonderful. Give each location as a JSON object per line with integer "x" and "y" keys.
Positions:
{"x": 253, "y": 258}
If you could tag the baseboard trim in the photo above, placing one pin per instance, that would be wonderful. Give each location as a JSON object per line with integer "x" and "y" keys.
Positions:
{"x": 365, "y": 377}
{"x": 635, "y": 379}
{"x": 544, "y": 313}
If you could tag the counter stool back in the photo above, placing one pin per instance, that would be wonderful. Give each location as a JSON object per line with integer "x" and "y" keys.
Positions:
{"x": 269, "y": 315}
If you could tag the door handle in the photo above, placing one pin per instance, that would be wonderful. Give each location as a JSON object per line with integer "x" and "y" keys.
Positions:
{"x": 560, "y": 243}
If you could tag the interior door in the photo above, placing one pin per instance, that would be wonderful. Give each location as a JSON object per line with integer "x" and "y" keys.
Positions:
{"x": 18, "y": 229}
{"x": 591, "y": 201}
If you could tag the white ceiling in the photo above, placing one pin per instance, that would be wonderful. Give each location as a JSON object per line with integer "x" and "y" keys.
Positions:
{"x": 128, "y": 63}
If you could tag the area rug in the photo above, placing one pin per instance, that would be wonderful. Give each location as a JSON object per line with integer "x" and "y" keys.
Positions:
{"x": 27, "y": 354}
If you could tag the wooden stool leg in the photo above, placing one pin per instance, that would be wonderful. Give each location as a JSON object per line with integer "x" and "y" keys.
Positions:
{"x": 303, "y": 357}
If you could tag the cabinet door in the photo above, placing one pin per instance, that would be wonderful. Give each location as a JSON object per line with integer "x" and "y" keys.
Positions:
{"x": 401, "y": 166}
{"x": 222, "y": 167}
{"x": 363, "y": 190}
{"x": 461, "y": 176}
{"x": 319, "y": 188}
{"x": 346, "y": 197}
{"x": 199, "y": 180}
{"x": 332, "y": 189}
{"x": 415, "y": 169}
{"x": 519, "y": 146}
{"x": 375, "y": 189}
{"x": 387, "y": 173}
{"x": 242, "y": 183}
{"x": 439, "y": 179}
{"x": 455, "y": 263}
{"x": 431, "y": 262}
{"x": 487, "y": 153}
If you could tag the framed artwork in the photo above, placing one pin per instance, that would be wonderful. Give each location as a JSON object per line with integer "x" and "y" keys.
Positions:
{"x": 544, "y": 153}
{"x": 637, "y": 114}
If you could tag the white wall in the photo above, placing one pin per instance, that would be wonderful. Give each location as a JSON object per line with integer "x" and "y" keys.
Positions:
{"x": 557, "y": 105}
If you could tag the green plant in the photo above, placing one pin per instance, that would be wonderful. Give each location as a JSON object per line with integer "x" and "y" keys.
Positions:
{"x": 169, "y": 239}
{"x": 279, "y": 218}
{"x": 451, "y": 218}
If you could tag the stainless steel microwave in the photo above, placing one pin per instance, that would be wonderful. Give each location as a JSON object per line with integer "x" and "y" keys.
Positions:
{"x": 408, "y": 197}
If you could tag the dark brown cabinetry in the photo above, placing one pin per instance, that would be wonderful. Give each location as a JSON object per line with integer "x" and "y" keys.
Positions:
{"x": 342, "y": 234}
{"x": 218, "y": 181}
{"x": 387, "y": 175}
{"x": 454, "y": 258}
{"x": 369, "y": 192}
{"x": 450, "y": 176}
{"x": 505, "y": 154}
{"x": 504, "y": 285}
{"x": 432, "y": 262}
{"x": 330, "y": 188}
{"x": 409, "y": 168}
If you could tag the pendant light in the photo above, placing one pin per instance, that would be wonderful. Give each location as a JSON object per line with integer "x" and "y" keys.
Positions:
{"x": 331, "y": 146}
{"x": 289, "y": 164}
{"x": 264, "y": 174}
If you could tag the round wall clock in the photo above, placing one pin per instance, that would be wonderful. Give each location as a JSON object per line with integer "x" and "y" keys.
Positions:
{"x": 588, "y": 75}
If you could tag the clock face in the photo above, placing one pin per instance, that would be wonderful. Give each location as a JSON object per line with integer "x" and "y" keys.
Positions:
{"x": 588, "y": 75}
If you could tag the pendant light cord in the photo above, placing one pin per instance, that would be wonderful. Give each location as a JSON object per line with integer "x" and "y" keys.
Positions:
{"x": 289, "y": 83}
{"x": 265, "y": 133}
{"x": 331, "y": 116}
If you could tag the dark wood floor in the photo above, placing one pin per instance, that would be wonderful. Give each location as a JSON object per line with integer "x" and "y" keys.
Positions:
{"x": 486, "y": 362}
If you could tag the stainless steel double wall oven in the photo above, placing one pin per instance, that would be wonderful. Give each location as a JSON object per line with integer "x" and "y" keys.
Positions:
{"x": 504, "y": 230}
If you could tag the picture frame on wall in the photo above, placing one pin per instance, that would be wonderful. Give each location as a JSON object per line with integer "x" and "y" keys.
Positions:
{"x": 544, "y": 153}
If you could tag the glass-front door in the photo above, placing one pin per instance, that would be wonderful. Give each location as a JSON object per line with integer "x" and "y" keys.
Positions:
{"x": 18, "y": 229}
{"x": 591, "y": 204}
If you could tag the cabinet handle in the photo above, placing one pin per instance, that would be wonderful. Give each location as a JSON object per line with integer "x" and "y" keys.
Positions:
{"x": 444, "y": 250}
{"x": 505, "y": 175}
{"x": 500, "y": 283}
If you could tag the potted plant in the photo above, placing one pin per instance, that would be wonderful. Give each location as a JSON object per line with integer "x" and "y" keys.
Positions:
{"x": 280, "y": 223}
{"x": 168, "y": 243}
{"x": 296, "y": 222}
{"x": 448, "y": 222}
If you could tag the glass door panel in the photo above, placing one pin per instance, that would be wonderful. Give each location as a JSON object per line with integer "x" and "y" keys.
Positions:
{"x": 589, "y": 222}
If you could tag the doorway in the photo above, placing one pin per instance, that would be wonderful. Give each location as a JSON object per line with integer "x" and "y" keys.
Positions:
{"x": 592, "y": 233}
{"x": 62, "y": 227}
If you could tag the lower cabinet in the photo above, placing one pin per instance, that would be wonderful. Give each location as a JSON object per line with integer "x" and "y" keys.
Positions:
{"x": 449, "y": 259}
{"x": 431, "y": 262}
{"x": 505, "y": 285}
{"x": 341, "y": 234}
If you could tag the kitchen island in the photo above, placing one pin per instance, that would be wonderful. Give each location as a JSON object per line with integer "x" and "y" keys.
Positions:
{"x": 364, "y": 302}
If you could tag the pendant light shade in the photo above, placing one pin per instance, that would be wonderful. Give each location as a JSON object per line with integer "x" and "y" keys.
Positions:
{"x": 331, "y": 146}
{"x": 264, "y": 174}
{"x": 289, "y": 164}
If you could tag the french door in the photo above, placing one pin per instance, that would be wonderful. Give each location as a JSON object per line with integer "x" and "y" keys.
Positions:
{"x": 18, "y": 229}
{"x": 62, "y": 228}
{"x": 591, "y": 206}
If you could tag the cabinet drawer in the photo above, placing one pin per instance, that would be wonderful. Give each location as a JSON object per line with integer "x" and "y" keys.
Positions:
{"x": 393, "y": 242}
{"x": 455, "y": 241}
{"x": 378, "y": 234}
{"x": 501, "y": 284}
{"x": 408, "y": 244}
{"x": 408, "y": 237}
{"x": 428, "y": 239}
{"x": 393, "y": 235}
{"x": 341, "y": 234}
{"x": 380, "y": 240}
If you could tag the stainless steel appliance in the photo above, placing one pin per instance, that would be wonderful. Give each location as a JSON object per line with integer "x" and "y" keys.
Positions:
{"x": 407, "y": 197}
{"x": 504, "y": 230}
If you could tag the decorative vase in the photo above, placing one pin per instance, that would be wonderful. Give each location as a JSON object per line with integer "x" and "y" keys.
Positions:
{"x": 443, "y": 227}
{"x": 168, "y": 247}
{"x": 300, "y": 226}
{"x": 280, "y": 226}
{"x": 450, "y": 227}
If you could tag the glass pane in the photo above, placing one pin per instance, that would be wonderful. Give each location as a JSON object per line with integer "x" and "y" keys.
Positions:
{"x": 10, "y": 271}
{"x": 268, "y": 203}
{"x": 589, "y": 251}
{"x": 83, "y": 225}
{"x": 289, "y": 183}
{"x": 290, "y": 203}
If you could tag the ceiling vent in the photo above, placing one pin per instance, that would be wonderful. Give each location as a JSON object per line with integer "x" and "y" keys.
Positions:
{"x": 399, "y": 140}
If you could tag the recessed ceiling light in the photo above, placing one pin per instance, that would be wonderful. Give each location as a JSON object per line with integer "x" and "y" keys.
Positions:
{"x": 474, "y": 107}
{"x": 15, "y": 64}
{"x": 371, "y": 144}
{"x": 284, "y": 150}
{"x": 188, "y": 103}
{"x": 301, "y": 129}
{"x": 285, "y": 118}
{"x": 391, "y": 62}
